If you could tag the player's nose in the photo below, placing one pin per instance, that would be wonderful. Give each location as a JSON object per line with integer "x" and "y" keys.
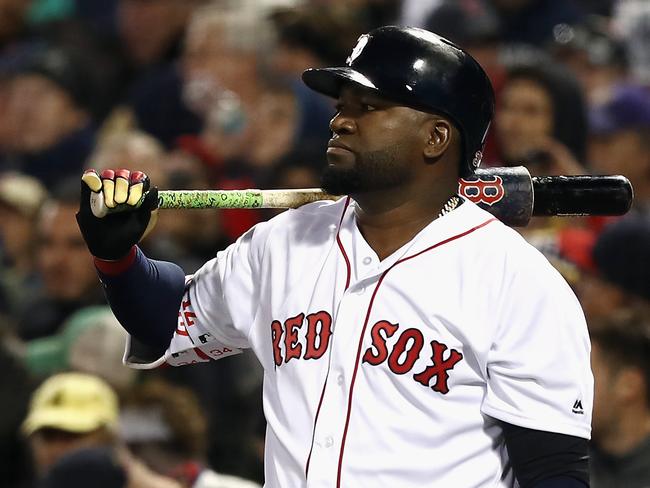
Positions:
{"x": 342, "y": 124}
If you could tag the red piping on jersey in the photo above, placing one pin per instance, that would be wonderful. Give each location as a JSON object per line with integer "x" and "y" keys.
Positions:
{"x": 347, "y": 284}
{"x": 338, "y": 241}
{"x": 365, "y": 324}
{"x": 201, "y": 354}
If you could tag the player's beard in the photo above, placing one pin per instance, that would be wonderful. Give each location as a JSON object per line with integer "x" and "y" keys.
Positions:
{"x": 372, "y": 171}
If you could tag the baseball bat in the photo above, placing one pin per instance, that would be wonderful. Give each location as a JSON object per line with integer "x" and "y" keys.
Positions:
{"x": 510, "y": 194}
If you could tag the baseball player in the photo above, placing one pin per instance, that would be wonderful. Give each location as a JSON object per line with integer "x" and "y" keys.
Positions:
{"x": 408, "y": 338}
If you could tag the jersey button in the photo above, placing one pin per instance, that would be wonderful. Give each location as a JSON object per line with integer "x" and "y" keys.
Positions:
{"x": 329, "y": 441}
{"x": 339, "y": 379}
{"x": 367, "y": 260}
{"x": 360, "y": 290}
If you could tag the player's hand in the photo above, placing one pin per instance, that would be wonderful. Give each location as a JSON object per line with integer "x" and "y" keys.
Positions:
{"x": 116, "y": 210}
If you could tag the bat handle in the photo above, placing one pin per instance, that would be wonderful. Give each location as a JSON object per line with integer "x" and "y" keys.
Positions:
{"x": 581, "y": 195}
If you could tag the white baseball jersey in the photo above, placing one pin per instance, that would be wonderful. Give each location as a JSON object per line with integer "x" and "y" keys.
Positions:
{"x": 392, "y": 373}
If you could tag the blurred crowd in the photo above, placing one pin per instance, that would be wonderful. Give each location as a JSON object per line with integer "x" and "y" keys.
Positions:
{"x": 207, "y": 94}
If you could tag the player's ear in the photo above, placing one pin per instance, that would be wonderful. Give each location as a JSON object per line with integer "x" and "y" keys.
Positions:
{"x": 439, "y": 133}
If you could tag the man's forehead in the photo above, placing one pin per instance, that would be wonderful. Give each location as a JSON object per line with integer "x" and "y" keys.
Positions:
{"x": 351, "y": 90}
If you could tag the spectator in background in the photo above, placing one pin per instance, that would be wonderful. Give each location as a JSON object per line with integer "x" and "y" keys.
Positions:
{"x": 68, "y": 276}
{"x": 96, "y": 467}
{"x": 283, "y": 123}
{"x": 621, "y": 418}
{"x": 130, "y": 149}
{"x": 295, "y": 122}
{"x": 101, "y": 467}
{"x": 541, "y": 118}
{"x": 152, "y": 34}
{"x": 414, "y": 12}
{"x": 13, "y": 20}
{"x": 91, "y": 341}
{"x": 250, "y": 121}
{"x": 164, "y": 426}
{"x": 468, "y": 24}
{"x": 21, "y": 198}
{"x": 309, "y": 37}
{"x": 151, "y": 31}
{"x": 619, "y": 275}
{"x": 51, "y": 130}
{"x": 15, "y": 388}
{"x": 619, "y": 141}
{"x": 220, "y": 63}
{"x": 532, "y": 21}
{"x": 70, "y": 411}
{"x": 73, "y": 432}
{"x": 630, "y": 20}
{"x": 593, "y": 53}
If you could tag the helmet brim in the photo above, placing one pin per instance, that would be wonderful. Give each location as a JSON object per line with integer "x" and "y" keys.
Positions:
{"x": 329, "y": 81}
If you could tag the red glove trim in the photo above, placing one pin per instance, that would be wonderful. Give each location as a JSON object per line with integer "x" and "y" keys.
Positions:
{"x": 114, "y": 268}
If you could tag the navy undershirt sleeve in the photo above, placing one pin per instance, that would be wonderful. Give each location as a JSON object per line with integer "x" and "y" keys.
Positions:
{"x": 561, "y": 482}
{"x": 543, "y": 459}
{"x": 145, "y": 299}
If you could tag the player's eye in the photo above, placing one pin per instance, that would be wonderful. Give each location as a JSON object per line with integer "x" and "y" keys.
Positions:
{"x": 358, "y": 106}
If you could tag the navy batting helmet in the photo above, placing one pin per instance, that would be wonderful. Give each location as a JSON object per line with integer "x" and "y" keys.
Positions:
{"x": 421, "y": 70}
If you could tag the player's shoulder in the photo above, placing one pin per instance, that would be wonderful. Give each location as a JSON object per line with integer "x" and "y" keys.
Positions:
{"x": 311, "y": 215}
{"x": 500, "y": 235}
{"x": 315, "y": 221}
{"x": 505, "y": 245}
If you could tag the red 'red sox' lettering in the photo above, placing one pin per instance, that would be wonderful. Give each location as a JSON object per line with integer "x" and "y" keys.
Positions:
{"x": 379, "y": 342}
{"x": 317, "y": 337}
{"x": 412, "y": 353}
{"x": 406, "y": 352}
{"x": 314, "y": 332}
{"x": 293, "y": 348}
{"x": 400, "y": 358}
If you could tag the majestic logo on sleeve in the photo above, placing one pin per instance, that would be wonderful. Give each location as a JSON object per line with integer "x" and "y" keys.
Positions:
{"x": 407, "y": 350}
{"x": 577, "y": 407}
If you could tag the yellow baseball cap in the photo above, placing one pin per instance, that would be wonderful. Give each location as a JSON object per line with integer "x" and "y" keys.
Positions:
{"x": 23, "y": 193}
{"x": 73, "y": 402}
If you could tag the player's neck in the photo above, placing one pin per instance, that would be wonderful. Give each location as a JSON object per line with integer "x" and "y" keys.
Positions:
{"x": 390, "y": 220}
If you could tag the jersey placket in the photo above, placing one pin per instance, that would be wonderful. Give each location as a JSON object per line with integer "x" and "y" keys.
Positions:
{"x": 351, "y": 315}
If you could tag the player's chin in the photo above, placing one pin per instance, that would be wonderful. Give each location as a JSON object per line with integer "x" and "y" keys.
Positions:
{"x": 337, "y": 156}
{"x": 340, "y": 180}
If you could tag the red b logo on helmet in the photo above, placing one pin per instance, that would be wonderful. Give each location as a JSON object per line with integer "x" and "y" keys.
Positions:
{"x": 479, "y": 190}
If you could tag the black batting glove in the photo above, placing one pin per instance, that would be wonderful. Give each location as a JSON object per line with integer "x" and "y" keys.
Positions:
{"x": 116, "y": 210}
